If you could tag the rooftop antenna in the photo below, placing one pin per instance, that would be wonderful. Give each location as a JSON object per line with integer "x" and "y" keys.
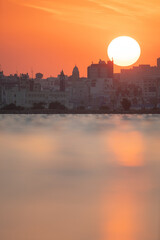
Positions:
{"x": 32, "y": 72}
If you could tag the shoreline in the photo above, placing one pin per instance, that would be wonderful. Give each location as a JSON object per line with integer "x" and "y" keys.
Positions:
{"x": 54, "y": 112}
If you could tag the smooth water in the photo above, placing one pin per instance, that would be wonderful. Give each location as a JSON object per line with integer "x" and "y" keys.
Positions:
{"x": 79, "y": 177}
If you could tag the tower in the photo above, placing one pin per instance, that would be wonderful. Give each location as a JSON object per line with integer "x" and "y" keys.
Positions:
{"x": 110, "y": 68}
{"x": 62, "y": 82}
{"x": 75, "y": 73}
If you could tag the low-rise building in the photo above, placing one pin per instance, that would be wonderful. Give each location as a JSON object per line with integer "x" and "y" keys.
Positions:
{"x": 14, "y": 95}
{"x": 47, "y": 97}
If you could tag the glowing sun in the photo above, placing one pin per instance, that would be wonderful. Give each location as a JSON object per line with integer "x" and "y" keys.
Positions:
{"x": 124, "y": 51}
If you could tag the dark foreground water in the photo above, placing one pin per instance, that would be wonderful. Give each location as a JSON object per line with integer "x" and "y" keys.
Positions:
{"x": 80, "y": 177}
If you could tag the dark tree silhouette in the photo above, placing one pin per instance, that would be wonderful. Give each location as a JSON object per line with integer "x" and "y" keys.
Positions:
{"x": 40, "y": 105}
{"x": 12, "y": 106}
{"x": 154, "y": 102}
{"x": 56, "y": 106}
{"x": 104, "y": 108}
{"x": 81, "y": 108}
{"x": 126, "y": 104}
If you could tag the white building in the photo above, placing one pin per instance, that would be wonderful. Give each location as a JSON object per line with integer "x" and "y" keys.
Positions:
{"x": 47, "y": 97}
{"x": 80, "y": 92}
{"x": 25, "y": 98}
{"x": 101, "y": 91}
{"x": 14, "y": 95}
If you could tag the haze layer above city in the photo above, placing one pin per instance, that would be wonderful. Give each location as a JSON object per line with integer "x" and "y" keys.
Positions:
{"x": 48, "y": 36}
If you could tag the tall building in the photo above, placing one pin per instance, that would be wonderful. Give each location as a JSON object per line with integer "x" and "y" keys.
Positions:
{"x": 100, "y": 70}
{"x": 62, "y": 82}
{"x": 75, "y": 73}
{"x": 1, "y": 74}
{"x": 158, "y": 63}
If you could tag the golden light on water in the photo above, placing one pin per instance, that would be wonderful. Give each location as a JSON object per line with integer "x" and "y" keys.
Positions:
{"x": 123, "y": 211}
{"x": 127, "y": 148}
{"x": 32, "y": 147}
{"x": 93, "y": 176}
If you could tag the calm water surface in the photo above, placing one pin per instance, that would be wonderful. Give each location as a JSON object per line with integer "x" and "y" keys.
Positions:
{"x": 79, "y": 177}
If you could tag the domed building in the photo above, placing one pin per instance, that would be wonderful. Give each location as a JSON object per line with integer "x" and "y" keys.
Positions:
{"x": 75, "y": 73}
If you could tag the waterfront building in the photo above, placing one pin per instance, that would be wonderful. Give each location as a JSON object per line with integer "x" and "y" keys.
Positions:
{"x": 14, "y": 95}
{"x": 80, "y": 93}
{"x": 101, "y": 92}
{"x": 100, "y": 70}
{"x": 47, "y": 97}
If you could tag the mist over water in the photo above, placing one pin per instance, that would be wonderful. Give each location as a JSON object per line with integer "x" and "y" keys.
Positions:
{"x": 80, "y": 177}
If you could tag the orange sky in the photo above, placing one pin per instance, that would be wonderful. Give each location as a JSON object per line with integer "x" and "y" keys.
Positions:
{"x": 48, "y": 35}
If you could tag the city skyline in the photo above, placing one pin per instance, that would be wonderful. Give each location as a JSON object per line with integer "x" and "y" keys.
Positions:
{"x": 80, "y": 119}
{"x": 137, "y": 88}
{"x": 32, "y": 73}
{"x": 51, "y": 36}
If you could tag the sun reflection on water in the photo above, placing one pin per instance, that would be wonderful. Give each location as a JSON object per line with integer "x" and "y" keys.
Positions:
{"x": 79, "y": 177}
{"x": 127, "y": 147}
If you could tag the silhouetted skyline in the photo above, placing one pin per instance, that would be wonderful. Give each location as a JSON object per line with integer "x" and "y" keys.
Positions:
{"x": 50, "y": 35}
